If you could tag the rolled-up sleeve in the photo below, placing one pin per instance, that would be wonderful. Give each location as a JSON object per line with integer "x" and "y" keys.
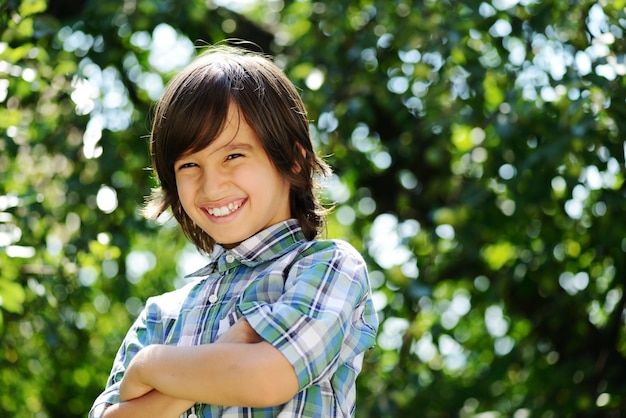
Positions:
{"x": 324, "y": 317}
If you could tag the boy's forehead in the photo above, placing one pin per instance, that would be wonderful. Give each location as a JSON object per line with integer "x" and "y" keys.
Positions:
{"x": 233, "y": 117}
{"x": 235, "y": 134}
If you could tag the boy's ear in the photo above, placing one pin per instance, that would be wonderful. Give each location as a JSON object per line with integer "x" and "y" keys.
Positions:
{"x": 296, "y": 167}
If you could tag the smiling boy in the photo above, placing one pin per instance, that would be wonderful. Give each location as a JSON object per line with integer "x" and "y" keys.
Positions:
{"x": 278, "y": 321}
{"x": 231, "y": 189}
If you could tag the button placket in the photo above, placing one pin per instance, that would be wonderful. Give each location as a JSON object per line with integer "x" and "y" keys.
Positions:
{"x": 229, "y": 258}
{"x": 213, "y": 296}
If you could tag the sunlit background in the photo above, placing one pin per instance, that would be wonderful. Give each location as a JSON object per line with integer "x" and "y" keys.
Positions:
{"x": 479, "y": 165}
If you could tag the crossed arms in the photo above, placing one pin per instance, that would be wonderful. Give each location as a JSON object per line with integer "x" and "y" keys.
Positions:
{"x": 165, "y": 381}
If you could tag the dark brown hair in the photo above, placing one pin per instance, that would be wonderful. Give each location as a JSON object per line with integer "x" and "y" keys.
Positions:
{"x": 192, "y": 113}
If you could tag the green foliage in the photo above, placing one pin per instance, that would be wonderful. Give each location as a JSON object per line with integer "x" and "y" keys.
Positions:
{"x": 479, "y": 158}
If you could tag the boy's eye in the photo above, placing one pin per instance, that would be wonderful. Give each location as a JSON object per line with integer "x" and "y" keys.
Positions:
{"x": 233, "y": 156}
{"x": 186, "y": 165}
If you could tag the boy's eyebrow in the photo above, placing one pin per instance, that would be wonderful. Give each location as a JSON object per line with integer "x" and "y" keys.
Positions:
{"x": 230, "y": 146}
{"x": 234, "y": 145}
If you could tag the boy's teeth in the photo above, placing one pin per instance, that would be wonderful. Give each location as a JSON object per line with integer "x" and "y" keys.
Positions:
{"x": 224, "y": 210}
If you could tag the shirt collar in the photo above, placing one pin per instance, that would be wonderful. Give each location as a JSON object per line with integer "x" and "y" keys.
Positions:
{"x": 263, "y": 246}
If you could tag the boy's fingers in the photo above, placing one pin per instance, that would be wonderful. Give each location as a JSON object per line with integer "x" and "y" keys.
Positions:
{"x": 240, "y": 332}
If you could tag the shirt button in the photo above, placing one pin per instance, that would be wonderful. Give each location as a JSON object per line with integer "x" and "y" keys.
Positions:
{"x": 230, "y": 258}
{"x": 213, "y": 298}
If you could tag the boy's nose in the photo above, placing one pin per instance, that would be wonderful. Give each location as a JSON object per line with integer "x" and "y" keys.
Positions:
{"x": 213, "y": 183}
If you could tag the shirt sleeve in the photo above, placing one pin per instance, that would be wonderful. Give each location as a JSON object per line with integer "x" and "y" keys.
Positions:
{"x": 325, "y": 315}
{"x": 138, "y": 336}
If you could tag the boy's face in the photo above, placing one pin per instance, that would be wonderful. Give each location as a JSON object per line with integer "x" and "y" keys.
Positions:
{"x": 231, "y": 189}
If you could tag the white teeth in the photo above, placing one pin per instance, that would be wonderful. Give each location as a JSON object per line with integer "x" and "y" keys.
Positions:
{"x": 224, "y": 210}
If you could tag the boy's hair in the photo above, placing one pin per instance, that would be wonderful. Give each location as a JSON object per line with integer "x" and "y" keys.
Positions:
{"x": 192, "y": 113}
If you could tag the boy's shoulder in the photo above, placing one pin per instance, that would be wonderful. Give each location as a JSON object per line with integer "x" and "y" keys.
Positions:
{"x": 329, "y": 258}
{"x": 335, "y": 248}
{"x": 170, "y": 303}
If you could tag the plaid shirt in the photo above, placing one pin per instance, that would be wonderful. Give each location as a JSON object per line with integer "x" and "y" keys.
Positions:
{"x": 310, "y": 299}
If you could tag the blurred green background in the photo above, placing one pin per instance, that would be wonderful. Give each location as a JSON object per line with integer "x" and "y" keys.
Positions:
{"x": 478, "y": 149}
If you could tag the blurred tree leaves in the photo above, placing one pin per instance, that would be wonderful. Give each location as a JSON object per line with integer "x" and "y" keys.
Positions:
{"x": 479, "y": 158}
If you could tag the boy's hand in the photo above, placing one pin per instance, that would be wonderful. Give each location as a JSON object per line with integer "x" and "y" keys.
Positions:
{"x": 131, "y": 386}
{"x": 241, "y": 333}
{"x": 131, "y": 390}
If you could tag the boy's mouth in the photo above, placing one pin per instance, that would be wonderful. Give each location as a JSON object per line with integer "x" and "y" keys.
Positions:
{"x": 225, "y": 210}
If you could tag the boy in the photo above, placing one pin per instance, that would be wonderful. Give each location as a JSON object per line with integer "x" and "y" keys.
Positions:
{"x": 277, "y": 323}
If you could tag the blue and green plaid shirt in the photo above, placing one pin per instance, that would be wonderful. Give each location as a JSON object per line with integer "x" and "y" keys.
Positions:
{"x": 310, "y": 299}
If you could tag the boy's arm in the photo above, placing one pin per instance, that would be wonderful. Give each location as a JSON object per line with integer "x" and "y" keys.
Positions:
{"x": 225, "y": 373}
{"x": 144, "y": 331}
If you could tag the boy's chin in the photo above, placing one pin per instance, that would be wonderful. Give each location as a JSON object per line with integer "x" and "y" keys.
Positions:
{"x": 228, "y": 246}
